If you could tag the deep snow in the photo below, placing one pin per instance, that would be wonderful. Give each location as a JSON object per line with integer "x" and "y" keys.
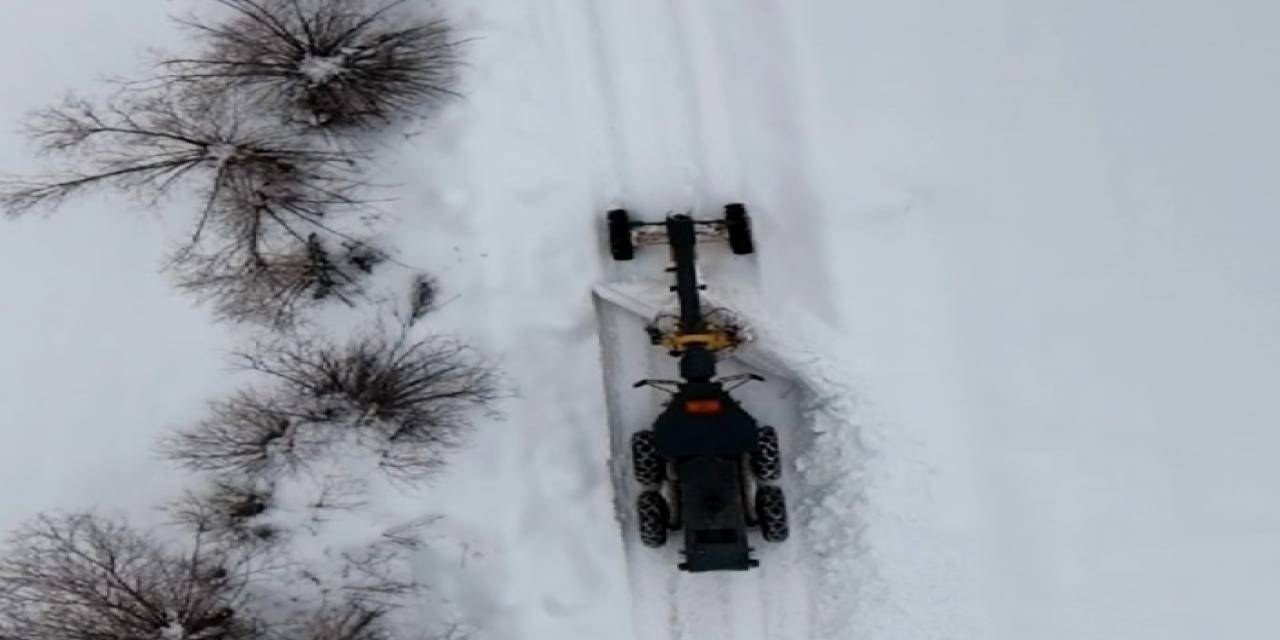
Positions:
{"x": 1036, "y": 238}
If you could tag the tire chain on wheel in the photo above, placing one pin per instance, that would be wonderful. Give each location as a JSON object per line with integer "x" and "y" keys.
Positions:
{"x": 654, "y": 518}
{"x": 648, "y": 466}
{"x": 766, "y": 459}
{"x": 771, "y": 511}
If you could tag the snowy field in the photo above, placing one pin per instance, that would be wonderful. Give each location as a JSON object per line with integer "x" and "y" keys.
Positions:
{"x": 1025, "y": 252}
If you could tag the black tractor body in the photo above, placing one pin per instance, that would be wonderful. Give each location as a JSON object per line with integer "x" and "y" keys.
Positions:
{"x": 705, "y": 454}
{"x": 705, "y": 435}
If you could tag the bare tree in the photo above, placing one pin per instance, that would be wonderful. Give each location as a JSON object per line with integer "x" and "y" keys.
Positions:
{"x": 350, "y": 587}
{"x": 405, "y": 400}
{"x": 423, "y": 294}
{"x": 82, "y": 577}
{"x": 274, "y": 288}
{"x": 371, "y": 571}
{"x": 413, "y": 396}
{"x": 375, "y": 575}
{"x": 250, "y": 173}
{"x": 264, "y": 243}
{"x": 228, "y": 512}
{"x": 248, "y": 433}
{"x": 239, "y": 510}
{"x": 350, "y": 620}
{"x": 357, "y": 621}
{"x": 334, "y": 64}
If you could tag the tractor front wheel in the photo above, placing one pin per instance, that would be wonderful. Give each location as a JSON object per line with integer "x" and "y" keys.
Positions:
{"x": 738, "y": 224}
{"x": 620, "y": 244}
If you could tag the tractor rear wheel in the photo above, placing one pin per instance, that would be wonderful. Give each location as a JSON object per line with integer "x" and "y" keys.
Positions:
{"x": 738, "y": 224}
{"x": 771, "y": 513}
{"x": 620, "y": 244}
{"x": 766, "y": 459}
{"x": 649, "y": 467}
{"x": 655, "y": 517}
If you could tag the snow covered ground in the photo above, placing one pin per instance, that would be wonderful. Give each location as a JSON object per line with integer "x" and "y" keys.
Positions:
{"x": 1034, "y": 241}
{"x": 97, "y": 352}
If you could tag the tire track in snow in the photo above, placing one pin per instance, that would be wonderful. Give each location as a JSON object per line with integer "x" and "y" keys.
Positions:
{"x": 710, "y": 68}
{"x": 759, "y": 130}
{"x": 754, "y": 132}
{"x": 636, "y": 88}
{"x": 716, "y": 165}
{"x": 522, "y": 175}
{"x": 655, "y": 131}
{"x": 672, "y": 96}
{"x": 653, "y": 138}
{"x": 718, "y": 605}
{"x": 715, "y": 169}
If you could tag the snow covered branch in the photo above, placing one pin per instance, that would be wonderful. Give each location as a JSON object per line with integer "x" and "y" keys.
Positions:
{"x": 85, "y": 577}
{"x": 148, "y": 144}
{"x": 82, "y": 577}
{"x": 228, "y": 511}
{"x": 264, "y": 243}
{"x": 335, "y": 569}
{"x": 333, "y": 64}
{"x": 404, "y": 402}
{"x": 273, "y": 288}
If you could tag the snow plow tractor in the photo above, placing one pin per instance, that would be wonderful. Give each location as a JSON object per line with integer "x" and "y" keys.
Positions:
{"x": 706, "y": 466}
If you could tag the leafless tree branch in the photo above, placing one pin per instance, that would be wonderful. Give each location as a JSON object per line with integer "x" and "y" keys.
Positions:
{"x": 82, "y": 577}
{"x": 267, "y": 241}
{"x": 274, "y": 288}
{"x": 228, "y": 512}
{"x": 405, "y": 400}
{"x": 147, "y": 144}
{"x": 334, "y": 64}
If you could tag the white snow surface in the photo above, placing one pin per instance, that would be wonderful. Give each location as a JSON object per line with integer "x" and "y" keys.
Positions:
{"x": 1016, "y": 286}
{"x": 321, "y": 69}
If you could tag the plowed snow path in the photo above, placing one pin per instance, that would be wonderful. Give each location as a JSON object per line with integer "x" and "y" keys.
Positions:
{"x": 697, "y": 115}
{"x": 577, "y": 106}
